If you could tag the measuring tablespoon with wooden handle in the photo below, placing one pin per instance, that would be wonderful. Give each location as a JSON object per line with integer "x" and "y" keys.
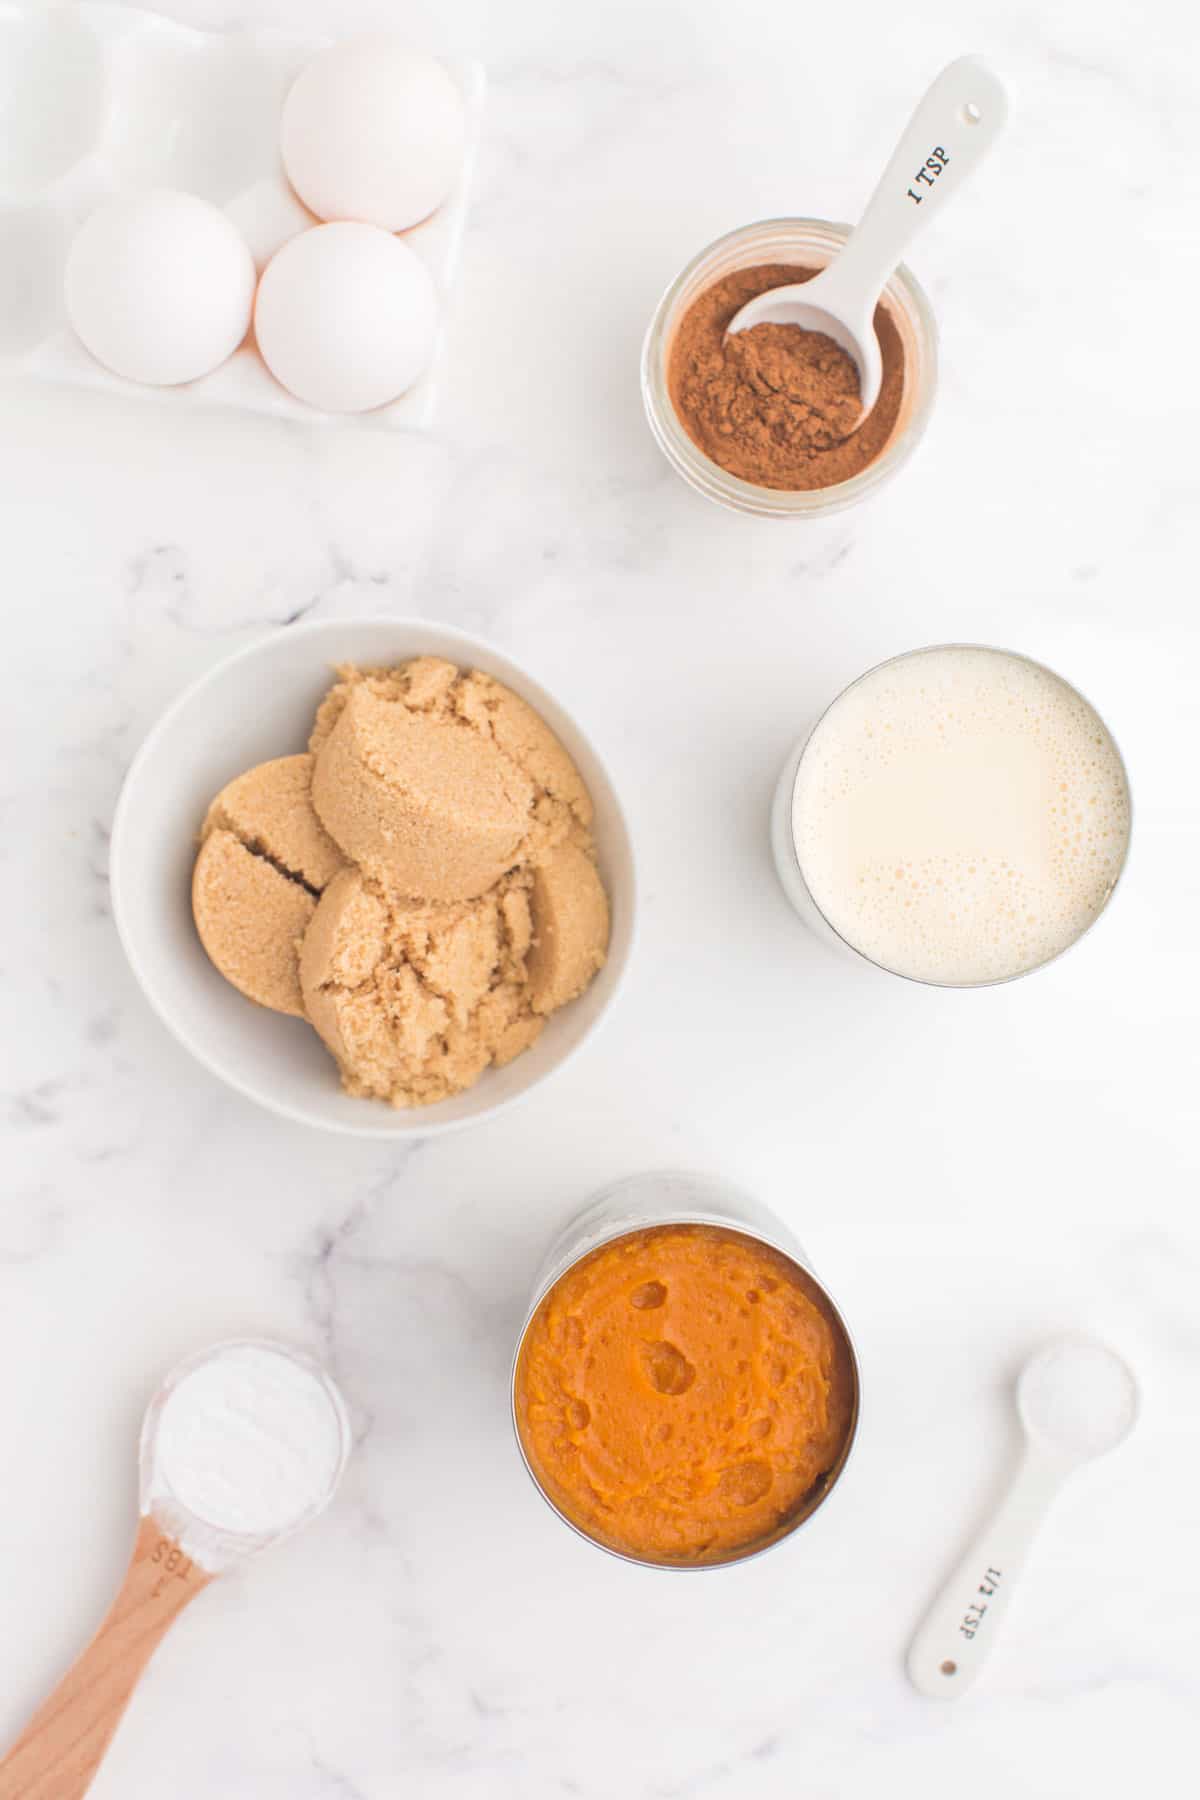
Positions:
{"x": 243, "y": 1445}
{"x": 947, "y": 137}
{"x": 1077, "y": 1400}
{"x": 61, "y": 1748}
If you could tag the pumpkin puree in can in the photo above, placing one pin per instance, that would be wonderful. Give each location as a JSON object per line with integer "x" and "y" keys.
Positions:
{"x": 680, "y": 1392}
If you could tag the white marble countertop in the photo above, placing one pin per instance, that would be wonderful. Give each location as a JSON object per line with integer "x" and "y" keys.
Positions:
{"x": 971, "y": 1172}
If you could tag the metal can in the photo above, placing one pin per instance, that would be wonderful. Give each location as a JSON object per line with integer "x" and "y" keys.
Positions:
{"x": 786, "y": 852}
{"x": 671, "y": 1197}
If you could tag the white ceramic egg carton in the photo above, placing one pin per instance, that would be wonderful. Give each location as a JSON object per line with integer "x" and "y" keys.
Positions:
{"x": 96, "y": 99}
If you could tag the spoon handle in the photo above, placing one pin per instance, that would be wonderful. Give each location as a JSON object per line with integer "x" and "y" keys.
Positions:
{"x": 961, "y": 1627}
{"x": 61, "y": 1748}
{"x": 950, "y": 132}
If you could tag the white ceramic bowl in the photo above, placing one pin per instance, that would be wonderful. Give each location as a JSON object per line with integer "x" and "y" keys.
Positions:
{"x": 258, "y": 704}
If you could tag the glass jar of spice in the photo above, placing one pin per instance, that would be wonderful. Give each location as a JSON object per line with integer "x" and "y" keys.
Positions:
{"x": 808, "y": 244}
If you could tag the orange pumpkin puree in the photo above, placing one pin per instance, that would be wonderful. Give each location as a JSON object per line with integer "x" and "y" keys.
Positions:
{"x": 681, "y": 1390}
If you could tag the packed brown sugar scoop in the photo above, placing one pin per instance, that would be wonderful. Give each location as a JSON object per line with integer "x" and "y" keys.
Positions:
{"x": 421, "y": 886}
{"x": 793, "y": 378}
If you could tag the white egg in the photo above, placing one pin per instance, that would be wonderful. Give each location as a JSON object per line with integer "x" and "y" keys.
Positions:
{"x": 159, "y": 286}
{"x": 373, "y": 131}
{"x": 346, "y": 317}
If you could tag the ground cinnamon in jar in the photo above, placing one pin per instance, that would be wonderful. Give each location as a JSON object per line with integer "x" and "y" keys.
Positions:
{"x": 778, "y": 405}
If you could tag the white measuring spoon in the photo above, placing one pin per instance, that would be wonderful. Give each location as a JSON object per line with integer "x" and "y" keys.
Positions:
{"x": 176, "y": 1553}
{"x": 1077, "y": 1399}
{"x": 955, "y": 124}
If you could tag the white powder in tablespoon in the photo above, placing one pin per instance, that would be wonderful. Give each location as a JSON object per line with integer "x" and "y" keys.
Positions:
{"x": 249, "y": 1440}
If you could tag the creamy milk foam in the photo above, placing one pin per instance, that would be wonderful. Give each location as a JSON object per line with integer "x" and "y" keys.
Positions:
{"x": 960, "y": 815}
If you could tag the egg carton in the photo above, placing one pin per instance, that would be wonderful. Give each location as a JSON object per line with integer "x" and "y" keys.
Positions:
{"x": 96, "y": 99}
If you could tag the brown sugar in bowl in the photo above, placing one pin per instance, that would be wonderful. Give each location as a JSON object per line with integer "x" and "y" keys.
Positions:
{"x": 804, "y": 245}
{"x": 685, "y": 1393}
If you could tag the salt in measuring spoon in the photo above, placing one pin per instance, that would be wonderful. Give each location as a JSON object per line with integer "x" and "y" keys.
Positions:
{"x": 956, "y": 123}
{"x": 1077, "y": 1399}
{"x": 242, "y": 1445}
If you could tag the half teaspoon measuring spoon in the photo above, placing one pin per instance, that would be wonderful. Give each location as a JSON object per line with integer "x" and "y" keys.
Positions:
{"x": 1077, "y": 1400}
{"x": 243, "y": 1445}
{"x": 952, "y": 129}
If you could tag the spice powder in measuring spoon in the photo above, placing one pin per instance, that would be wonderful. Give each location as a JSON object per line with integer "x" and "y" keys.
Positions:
{"x": 778, "y": 405}
{"x": 246, "y": 1443}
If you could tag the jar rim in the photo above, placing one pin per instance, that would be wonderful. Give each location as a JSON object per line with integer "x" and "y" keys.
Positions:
{"x": 722, "y": 256}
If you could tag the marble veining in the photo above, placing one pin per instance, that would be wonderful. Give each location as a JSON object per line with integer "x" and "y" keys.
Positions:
{"x": 970, "y": 1172}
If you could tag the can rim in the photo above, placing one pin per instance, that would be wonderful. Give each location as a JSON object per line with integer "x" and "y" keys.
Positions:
{"x": 803, "y": 748}
{"x": 831, "y": 1478}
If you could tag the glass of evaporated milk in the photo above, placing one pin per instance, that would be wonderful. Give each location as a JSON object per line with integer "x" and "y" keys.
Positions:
{"x": 959, "y": 816}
